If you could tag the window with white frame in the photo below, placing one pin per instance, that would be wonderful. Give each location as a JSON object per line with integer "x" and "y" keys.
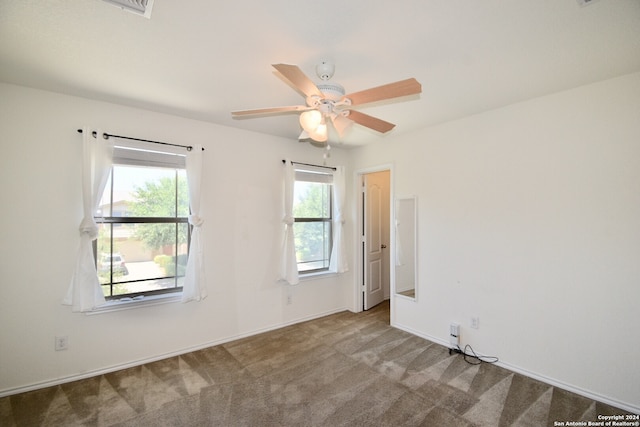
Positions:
{"x": 144, "y": 233}
{"x": 312, "y": 212}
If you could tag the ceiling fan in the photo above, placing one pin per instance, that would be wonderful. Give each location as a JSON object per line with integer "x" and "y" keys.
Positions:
{"x": 328, "y": 102}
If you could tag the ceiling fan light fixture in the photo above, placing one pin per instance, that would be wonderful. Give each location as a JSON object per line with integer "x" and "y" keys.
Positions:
{"x": 314, "y": 124}
{"x": 320, "y": 134}
{"x": 310, "y": 120}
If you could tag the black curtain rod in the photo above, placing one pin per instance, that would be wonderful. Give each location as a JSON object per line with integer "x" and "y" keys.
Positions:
{"x": 309, "y": 164}
{"x": 107, "y": 136}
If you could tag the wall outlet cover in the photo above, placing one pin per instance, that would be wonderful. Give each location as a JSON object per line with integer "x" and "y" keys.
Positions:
{"x": 61, "y": 343}
{"x": 475, "y": 322}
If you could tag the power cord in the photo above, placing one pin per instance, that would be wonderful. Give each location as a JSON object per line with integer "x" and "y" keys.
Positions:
{"x": 472, "y": 358}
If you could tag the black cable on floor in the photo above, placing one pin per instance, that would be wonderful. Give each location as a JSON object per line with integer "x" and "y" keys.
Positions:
{"x": 472, "y": 358}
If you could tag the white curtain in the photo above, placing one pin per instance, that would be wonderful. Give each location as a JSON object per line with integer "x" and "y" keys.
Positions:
{"x": 338, "y": 262}
{"x": 85, "y": 292}
{"x": 193, "y": 288}
{"x": 288, "y": 263}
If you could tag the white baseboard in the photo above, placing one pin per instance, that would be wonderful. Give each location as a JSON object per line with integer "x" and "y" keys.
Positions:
{"x": 547, "y": 380}
{"x": 118, "y": 367}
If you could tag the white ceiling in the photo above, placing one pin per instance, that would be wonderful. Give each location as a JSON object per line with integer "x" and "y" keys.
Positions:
{"x": 203, "y": 59}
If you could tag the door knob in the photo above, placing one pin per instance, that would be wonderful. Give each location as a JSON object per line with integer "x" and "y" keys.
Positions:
{"x": 383, "y": 246}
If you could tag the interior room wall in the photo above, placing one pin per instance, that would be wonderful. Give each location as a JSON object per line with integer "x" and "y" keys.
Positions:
{"x": 528, "y": 220}
{"x": 40, "y": 170}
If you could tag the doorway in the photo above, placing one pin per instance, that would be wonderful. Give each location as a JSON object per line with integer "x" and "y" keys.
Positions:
{"x": 374, "y": 213}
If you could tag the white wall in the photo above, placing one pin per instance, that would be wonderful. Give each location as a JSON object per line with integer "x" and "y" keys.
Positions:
{"x": 41, "y": 210}
{"x": 529, "y": 218}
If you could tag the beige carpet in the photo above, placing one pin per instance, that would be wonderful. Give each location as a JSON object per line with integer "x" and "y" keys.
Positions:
{"x": 341, "y": 370}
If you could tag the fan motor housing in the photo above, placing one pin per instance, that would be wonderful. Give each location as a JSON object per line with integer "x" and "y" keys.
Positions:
{"x": 331, "y": 91}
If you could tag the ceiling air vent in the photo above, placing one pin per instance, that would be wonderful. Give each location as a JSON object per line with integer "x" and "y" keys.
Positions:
{"x": 139, "y": 7}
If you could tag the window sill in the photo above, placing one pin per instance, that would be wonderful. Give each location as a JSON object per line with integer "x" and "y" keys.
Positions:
{"x": 316, "y": 275}
{"x": 129, "y": 304}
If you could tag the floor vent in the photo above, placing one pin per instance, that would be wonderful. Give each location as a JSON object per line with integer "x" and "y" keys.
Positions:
{"x": 139, "y": 7}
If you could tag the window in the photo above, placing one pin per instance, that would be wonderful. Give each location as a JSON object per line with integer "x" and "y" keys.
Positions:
{"x": 144, "y": 234}
{"x": 312, "y": 210}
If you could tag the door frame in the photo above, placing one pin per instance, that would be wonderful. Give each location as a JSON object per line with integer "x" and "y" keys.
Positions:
{"x": 358, "y": 298}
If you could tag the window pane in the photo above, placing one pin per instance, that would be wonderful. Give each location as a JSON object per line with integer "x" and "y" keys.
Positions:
{"x": 313, "y": 241}
{"x": 145, "y": 192}
{"x": 160, "y": 238}
{"x": 311, "y": 200}
{"x": 183, "y": 194}
{"x": 144, "y": 258}
{"x": 103, "y": 253}
{"x": 104, "y": 208}
{"x": 143, "y": 237}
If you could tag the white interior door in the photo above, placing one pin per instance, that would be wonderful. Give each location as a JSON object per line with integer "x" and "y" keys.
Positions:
{"x": 375, "y": 238}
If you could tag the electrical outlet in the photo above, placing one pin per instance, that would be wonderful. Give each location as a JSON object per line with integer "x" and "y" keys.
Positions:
{"x": 475, "y": 322}
{"x": 62, "y": 343}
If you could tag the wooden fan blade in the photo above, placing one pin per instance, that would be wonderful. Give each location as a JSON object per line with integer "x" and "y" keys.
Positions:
{"x": 273, "y": 110}
{"x": 388, "y": 91}
{"x": 297, "y": 78}
{"x": 370, "y": 121}
{"x": 341, "y": 123}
